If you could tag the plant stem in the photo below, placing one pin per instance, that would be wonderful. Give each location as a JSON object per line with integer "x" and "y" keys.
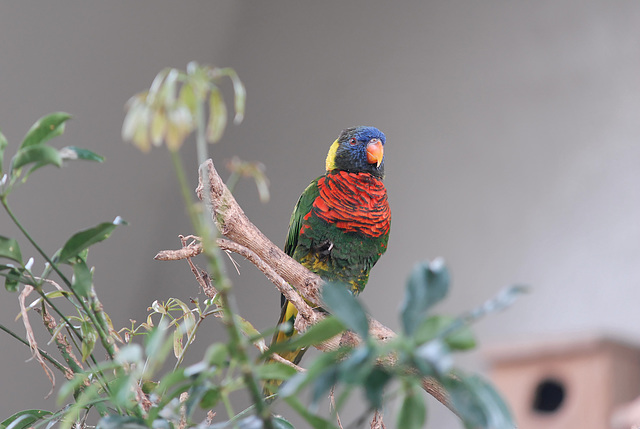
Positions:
{"x": 103, "y": 336}
{"x": 44, "y": 354}
{"x": 203, "y": 225}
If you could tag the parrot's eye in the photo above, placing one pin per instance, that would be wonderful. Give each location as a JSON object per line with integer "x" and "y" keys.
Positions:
{"x": 353, "y": 141}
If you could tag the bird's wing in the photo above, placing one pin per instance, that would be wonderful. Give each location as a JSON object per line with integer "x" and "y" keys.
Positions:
{"x": 303, "y": 207}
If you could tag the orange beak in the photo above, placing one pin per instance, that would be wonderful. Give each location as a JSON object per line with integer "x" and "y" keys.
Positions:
{"x": 375, "y": 152}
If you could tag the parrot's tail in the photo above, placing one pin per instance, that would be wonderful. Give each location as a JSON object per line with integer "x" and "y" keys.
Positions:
{"x": 287, "y": 314}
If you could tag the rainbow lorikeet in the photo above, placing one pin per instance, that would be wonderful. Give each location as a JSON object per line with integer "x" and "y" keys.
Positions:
{"x": 340, "y": 225}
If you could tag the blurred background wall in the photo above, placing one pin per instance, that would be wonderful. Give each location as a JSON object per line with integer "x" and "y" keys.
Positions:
{"x": 512, "y": 150}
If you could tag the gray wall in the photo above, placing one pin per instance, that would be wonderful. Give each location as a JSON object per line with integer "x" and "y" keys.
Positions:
{"x": 512, "y": 148}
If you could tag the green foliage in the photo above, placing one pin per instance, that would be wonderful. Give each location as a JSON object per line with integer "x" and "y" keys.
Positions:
{"x": 45, "y": 129}
{"x": 344, "y": 306}
{"x": 24, "y": 419}
{"x": 81, "y": 241}
{"x": 426, "y": 286}
{"x": 425, "y": 348}
{"x": 132, "y": 388}
{"x": 10, "y": 249}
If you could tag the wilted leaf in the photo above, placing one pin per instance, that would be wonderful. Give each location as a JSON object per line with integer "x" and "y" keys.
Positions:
{"x": 10, "y": 249}
{"x": 83, "y": 239}
{"x": 158, "y": 127}
{"x": 240, "y": 93}
{"x": 217, "y": 116}
{"x": 187, "y": 98}
{"x": 45, "y": 129}
{"x": 428, "y": 283}
{"x": 180, "y": 124}
{"x": 178, "y": 347}
{"x": 343, "y": 305}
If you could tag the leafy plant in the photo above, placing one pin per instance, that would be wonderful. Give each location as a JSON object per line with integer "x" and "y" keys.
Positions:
{"x": 132, "y": 389}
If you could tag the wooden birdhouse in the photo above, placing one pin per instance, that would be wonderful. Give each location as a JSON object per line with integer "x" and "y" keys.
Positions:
{"x": 571, "y": 383}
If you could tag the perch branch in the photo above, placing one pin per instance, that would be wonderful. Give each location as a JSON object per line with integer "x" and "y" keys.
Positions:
{"x": 247, "y": 240}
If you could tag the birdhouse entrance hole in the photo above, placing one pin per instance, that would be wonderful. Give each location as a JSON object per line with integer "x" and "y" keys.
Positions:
{"x": 549, "y": 396}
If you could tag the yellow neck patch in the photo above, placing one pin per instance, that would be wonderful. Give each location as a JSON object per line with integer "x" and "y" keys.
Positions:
{"x": 331, "y": 156}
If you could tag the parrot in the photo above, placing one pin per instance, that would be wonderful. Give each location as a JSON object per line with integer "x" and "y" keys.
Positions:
{"x": 340, "y": 225}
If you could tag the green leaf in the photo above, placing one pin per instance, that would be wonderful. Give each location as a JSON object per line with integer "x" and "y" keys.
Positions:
{"x": 457, "y": 335}
{"x": 322, "y": 383}
{"x": 24, "y": 419}
{"x": 161, "y": 424}
{"x": 374, "y": 386}
{"x": 82, "y": 278}
{"x": 358, "y": 365}
{"x": 45, "y": 129}
{"x": 274, "y": 371}
{"x": 155, "y": 339}
{"x": 89, "y": 337}
{"x": 217, "y": 116}
{"x": 83, "y": 239}
{"x": 12, "y": 278}
{"x": 249, "y": 422}
{"x": 413, "y": 411}
{"x": 314, "y": 421}
{"x": 120, "y": 422}
{"x": 327, "y": 328}
{"x": 343, "y": 305}
{"x": 3, "y": 146}
{"x": 216, "y": 354}
{"x": 432, "y": 358}
{"x": 40, "y": 155}
{"x": 10, "y": 249}
{"x": 478, "y": 402}
{"x": 281, "y": 423}
{"x": 72, "y": 153}
{"x": 294, "y": 384}
{"x": 210, "y": 398}
{"x": 171, "y": 379}
{"x": 428, "y": 283}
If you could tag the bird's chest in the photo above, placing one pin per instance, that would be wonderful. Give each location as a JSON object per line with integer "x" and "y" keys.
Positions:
{"x": 354, "y": 203}
{"x": 347, "y": 229}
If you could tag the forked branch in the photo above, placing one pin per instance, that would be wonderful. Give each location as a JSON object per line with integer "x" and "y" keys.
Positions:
{"x": 244, "y": 238}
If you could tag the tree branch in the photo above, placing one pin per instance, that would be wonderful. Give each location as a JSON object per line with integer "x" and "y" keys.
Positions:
{"x": 244, "y": 238}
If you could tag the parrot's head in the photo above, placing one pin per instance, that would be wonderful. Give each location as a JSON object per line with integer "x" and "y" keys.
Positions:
{"x": 358, "y": 150}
